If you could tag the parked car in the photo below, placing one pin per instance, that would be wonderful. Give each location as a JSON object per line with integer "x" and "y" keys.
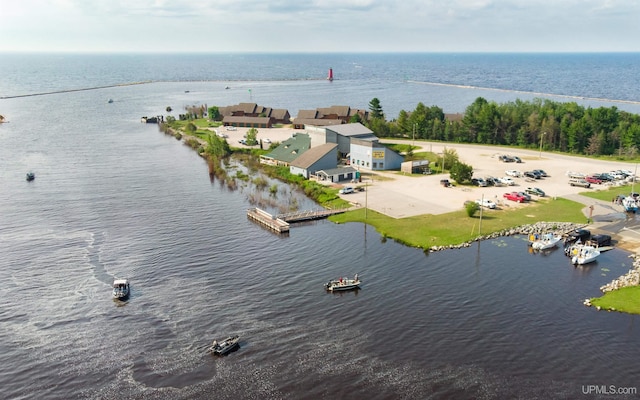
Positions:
{"x": 505, "y": 158}
{"x": 479, "y": 182}
{"x": 231, "y": 128}
{"x": 535, "y": 191}
{"x": 242, "y": 141}
{"x": 514, "y": 196}
{"x": 517, "y": 159}
{"x": 513, "y": 172}
{"x": 346, "y": 190}
{"x": 540, "y": 172}
{"x": 486, "y": 203}
{"x": 575, "y": 175}
{"x": 525, "y": 195}
{"x": 593, "y": 179}
{"x": 267, "y": 140}
{"x": 579, "y": 182}
{"x": 508, "y": 181}
{"x": 532, "y": 175}
{"x": 445, "y": 182}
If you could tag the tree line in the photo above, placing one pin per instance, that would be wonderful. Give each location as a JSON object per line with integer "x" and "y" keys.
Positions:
{"x": 554, "y": 126}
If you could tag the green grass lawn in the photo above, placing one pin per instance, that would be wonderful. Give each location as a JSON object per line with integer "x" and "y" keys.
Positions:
{"x": 426, "y": 231}
{"x": 610, "y": 193}
{"x": 626, "y": 299}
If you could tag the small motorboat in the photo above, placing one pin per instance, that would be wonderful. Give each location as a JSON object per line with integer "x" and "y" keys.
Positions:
{"x": 30, "y": 176}
{"x": 546, "y": 241}
{"x": 585, "y": 255}
{"x": 343, "y": 284}
{"x": 225, "y": 346}
{"x": 629, "y": 204}
{"x": 120, "y": 289}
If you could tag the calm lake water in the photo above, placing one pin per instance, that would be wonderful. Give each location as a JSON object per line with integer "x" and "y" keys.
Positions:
{"x": 116, "y": 198}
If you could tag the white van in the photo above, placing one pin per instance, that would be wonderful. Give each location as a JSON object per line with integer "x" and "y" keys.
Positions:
{"x": 346, "y": 190}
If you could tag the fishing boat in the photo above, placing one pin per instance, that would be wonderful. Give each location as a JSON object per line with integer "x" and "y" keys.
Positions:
{"x": 546, "y": 241}
{"x": 30, "y": 176}
{"x": 342, "y": 284}
{"x": 120, "y": 289}
{"x": 330, "y": 76}
{"x": 585, "y": 255}
{"x": 225, "y": 346}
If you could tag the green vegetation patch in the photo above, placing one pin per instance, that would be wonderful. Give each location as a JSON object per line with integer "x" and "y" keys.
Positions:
{"x": 426, "y": 231}
{"x": 626, "y": 299}
{"x": 610, "y": 193}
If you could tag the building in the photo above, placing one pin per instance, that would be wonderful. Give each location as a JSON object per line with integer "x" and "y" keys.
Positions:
{"x": 324, "y": 156}
{"x": 370, "y": 154}
{"x": 287, "y": 151}
{"x": 333, "y": 115}
{"x": 253, "y": 115}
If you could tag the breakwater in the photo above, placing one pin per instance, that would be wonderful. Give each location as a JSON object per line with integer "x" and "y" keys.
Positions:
{"x": 538, "y": 227}
{"x": 74, "y": 90}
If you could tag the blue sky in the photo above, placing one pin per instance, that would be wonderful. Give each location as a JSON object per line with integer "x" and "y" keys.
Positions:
{"x": 320, "y": 25}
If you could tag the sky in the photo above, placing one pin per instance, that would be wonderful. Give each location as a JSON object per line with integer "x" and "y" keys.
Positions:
{"x": 319, "y": 26}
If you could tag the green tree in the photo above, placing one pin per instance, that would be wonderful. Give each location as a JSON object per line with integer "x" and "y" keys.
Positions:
{"x": 471, "y": 208}
{"x": 190, "y": 128}
{"x": 214, "y": 113}
{"x": 461, "y": 172}
{"x": 252, "y": 137}
{"x": 376, "y": 109}
{"x": 217, "y": 147}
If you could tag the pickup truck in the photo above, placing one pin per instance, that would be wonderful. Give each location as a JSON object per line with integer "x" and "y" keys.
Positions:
{"x": 535, "y": 191}
{"x": 514, "y": 196}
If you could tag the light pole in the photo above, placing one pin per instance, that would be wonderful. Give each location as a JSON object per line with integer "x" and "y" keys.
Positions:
{"x": 414, "y": 135}
{"x": 541, "y": 136}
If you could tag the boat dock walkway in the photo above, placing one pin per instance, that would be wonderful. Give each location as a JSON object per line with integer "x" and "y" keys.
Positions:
{"x": 267, "y": 220}
{"x": 280, "y": 223}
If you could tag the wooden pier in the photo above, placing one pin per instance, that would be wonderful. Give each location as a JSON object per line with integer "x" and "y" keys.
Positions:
{"x": 280, "y": 223}
{"x": 267, "y": 220}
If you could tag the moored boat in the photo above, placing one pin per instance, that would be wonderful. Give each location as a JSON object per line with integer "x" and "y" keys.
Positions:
{"x": 30, "y": 176}
{"x": 585, "y": 255}
{"x": 225, "y": 346}
{"x": 343, "y": 284}
{"x": 546, "y": 241}
{"x": 120, "y": 289}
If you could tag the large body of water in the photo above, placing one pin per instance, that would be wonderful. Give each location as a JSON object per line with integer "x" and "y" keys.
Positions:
{"x": 116, "y": 198}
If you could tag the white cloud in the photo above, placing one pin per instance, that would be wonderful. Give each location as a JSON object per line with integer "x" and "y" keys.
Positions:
{"x": 321, "y": 25}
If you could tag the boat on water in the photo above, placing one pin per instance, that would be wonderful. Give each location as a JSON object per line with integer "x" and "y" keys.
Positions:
{"x": 545, "y": 241}
{"x": 225, "y": 346}
{"x": 585, "y": 255}
{"x": 30, "y": 176}
{"x": 120, "y": 289}
{"x": 343, "y": 284}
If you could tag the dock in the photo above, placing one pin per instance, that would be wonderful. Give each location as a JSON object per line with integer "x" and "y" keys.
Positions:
{"x": 267, "y": 220}
{"x": 280, "y": 223}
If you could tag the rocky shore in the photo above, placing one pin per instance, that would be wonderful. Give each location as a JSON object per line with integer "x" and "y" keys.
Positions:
{"x": 631, "y": 278}
{"x": 539, "y": 227}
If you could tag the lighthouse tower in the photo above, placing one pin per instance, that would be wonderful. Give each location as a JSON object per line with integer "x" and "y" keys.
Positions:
{"x": 330, "y": 76}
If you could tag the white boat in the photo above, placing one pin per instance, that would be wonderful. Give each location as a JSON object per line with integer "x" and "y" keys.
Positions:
{"x": 585, "y": 255}
{"x": 629, "y": 204}
{"x": 343, "y": 284}
{"x": 225, "y": 346}
{"x": 546, "y": 241}
{"x": 120, "y": 289}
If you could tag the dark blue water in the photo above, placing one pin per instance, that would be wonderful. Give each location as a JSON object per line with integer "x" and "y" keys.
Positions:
{"x": 116, "y": 198}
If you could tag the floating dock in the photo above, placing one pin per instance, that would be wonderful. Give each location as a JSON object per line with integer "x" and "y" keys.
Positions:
{"x": 267, "y": 220}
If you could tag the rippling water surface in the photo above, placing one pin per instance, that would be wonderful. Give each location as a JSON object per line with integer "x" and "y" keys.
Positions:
{"x": 116, "y": 198}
